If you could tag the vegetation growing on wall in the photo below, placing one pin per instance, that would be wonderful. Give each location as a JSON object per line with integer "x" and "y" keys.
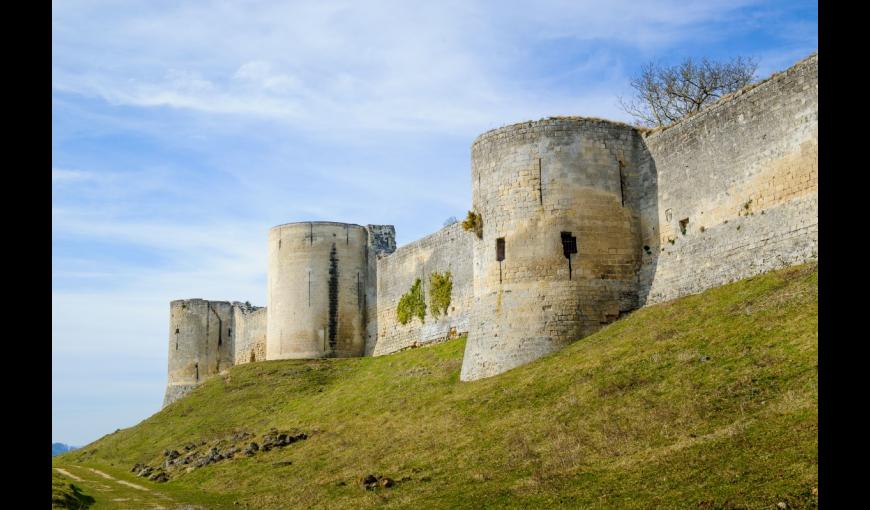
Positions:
{"x": 412, "y": 304}
{"x": 474, "y": 223}
{"x": 440, "y": 288}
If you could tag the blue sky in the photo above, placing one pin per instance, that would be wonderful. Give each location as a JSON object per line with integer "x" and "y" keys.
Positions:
{"x": 181, "y": 131}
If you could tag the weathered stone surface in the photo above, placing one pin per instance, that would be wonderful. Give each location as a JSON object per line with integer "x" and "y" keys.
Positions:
{"x": 249, "y": 333}
{"x": 207, "y": 338}
{"x": 583, "y": 220}
{"x": 744, "y": 173}
{"x": 558, "y": 193}
{"x": 449, "y": 249}
{"x": 317, "y": 279}
{"x": 726, "y": 194}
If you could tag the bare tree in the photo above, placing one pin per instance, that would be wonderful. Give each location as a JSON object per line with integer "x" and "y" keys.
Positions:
{"x": 450, "y": 221}
{"x": 666, "y": 94}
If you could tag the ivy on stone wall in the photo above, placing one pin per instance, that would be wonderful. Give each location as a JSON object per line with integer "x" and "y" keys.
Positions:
{"x": 440, "y": 287}
{"x": 412, "y": 304}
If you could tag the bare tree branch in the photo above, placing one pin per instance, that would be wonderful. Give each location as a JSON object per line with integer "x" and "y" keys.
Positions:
{"x": 667, "y": 94}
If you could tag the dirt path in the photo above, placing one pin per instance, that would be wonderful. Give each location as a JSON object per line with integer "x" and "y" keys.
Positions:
{"x": 116, "y": 491}
{"x": 104, "y": 475}
{"x": 123, "y": 482}
{"x": 68, "y": 474}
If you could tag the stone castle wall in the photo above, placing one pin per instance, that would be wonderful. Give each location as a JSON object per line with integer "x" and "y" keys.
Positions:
{"x": 382, "y": 242}
{"x": 742, "y": 177}
{"x": 554, "y": 194}
{"x": 249, "y": 335}
{"x": 583, "y": 221}
{"x": 448, "y": 249}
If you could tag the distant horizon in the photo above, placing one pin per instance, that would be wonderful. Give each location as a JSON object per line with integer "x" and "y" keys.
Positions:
{"x": 182, "y": 133}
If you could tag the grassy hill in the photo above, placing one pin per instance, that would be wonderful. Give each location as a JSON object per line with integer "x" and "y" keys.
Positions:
{"x": 709, "y": 401}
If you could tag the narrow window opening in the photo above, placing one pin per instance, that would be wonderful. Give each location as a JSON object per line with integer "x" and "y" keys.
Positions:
{"x": 279, "y": 244}
{"x": 540, "y": 183}
{"x": 229, "y": 332}
{"x": 569, "y": 247}
{"x": 499, "y": 254}
{"x": 176, "y": 339}
{"x": 622, "y": 183}
{"x": 309, "y": 288}
{"x": 684, "y": 224}
{"x": 197, "y": 372}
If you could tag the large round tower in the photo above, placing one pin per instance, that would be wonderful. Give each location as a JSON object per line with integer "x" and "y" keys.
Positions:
{"x": 560, "y": 247}
{"x": 200, "y": 343}
{"x": 317, "y": 281}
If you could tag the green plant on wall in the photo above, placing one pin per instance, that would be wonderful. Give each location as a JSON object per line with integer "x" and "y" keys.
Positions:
{"x": 474, "y": 223}
{"x": 440, "y": 287}
{"x": 412, "y": 304}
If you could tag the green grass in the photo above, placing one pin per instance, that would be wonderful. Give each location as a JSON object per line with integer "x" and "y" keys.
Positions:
{"x": 65, "y": 494}
{"x": 709, "y": 401}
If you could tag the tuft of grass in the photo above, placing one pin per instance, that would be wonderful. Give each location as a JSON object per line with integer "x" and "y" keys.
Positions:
{"x": 708, "y": 401}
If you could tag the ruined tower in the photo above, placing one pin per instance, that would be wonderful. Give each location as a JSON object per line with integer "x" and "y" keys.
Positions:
{"x": 201, "y": 343}
{"x": 319, "y": 280}
{"x": 560, "y": 249}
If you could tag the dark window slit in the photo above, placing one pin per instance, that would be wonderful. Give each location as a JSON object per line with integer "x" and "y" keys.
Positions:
{"x": 569, "y": 247}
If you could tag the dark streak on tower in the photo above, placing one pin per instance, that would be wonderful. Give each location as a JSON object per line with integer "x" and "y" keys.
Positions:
{"x": 333, "y": 300}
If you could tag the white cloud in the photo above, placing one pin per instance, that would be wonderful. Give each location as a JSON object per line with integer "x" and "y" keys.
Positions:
{"x": 279, "y": 78}
{"x": 377, "y": 65}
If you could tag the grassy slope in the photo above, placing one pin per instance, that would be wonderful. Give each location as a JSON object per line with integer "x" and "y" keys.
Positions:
{"x": 66, "y": 494}
{"x": 709, "y": 401}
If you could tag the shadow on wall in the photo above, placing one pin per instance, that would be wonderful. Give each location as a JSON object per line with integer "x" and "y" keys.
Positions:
{"x": 645, "y": 195}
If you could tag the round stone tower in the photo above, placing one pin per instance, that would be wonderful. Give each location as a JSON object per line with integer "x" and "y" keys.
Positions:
{"x": 317, "y": 283}
{"x": 560, "y": 250}
{"x": 200, "y": 343}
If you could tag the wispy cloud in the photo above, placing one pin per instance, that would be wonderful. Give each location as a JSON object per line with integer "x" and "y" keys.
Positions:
{"x": 181, "y": 131}
{"x": 342, "y": 65}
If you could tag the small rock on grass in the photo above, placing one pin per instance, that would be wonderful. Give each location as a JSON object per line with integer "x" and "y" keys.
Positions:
{"x": 371, "y": 482}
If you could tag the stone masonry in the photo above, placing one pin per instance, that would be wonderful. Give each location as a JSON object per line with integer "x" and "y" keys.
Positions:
{"x": 743, "y": 177}
{"x": 560, "y": 250}
{"x": 447, "y": 250}
{"x": 584, "y": 220}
